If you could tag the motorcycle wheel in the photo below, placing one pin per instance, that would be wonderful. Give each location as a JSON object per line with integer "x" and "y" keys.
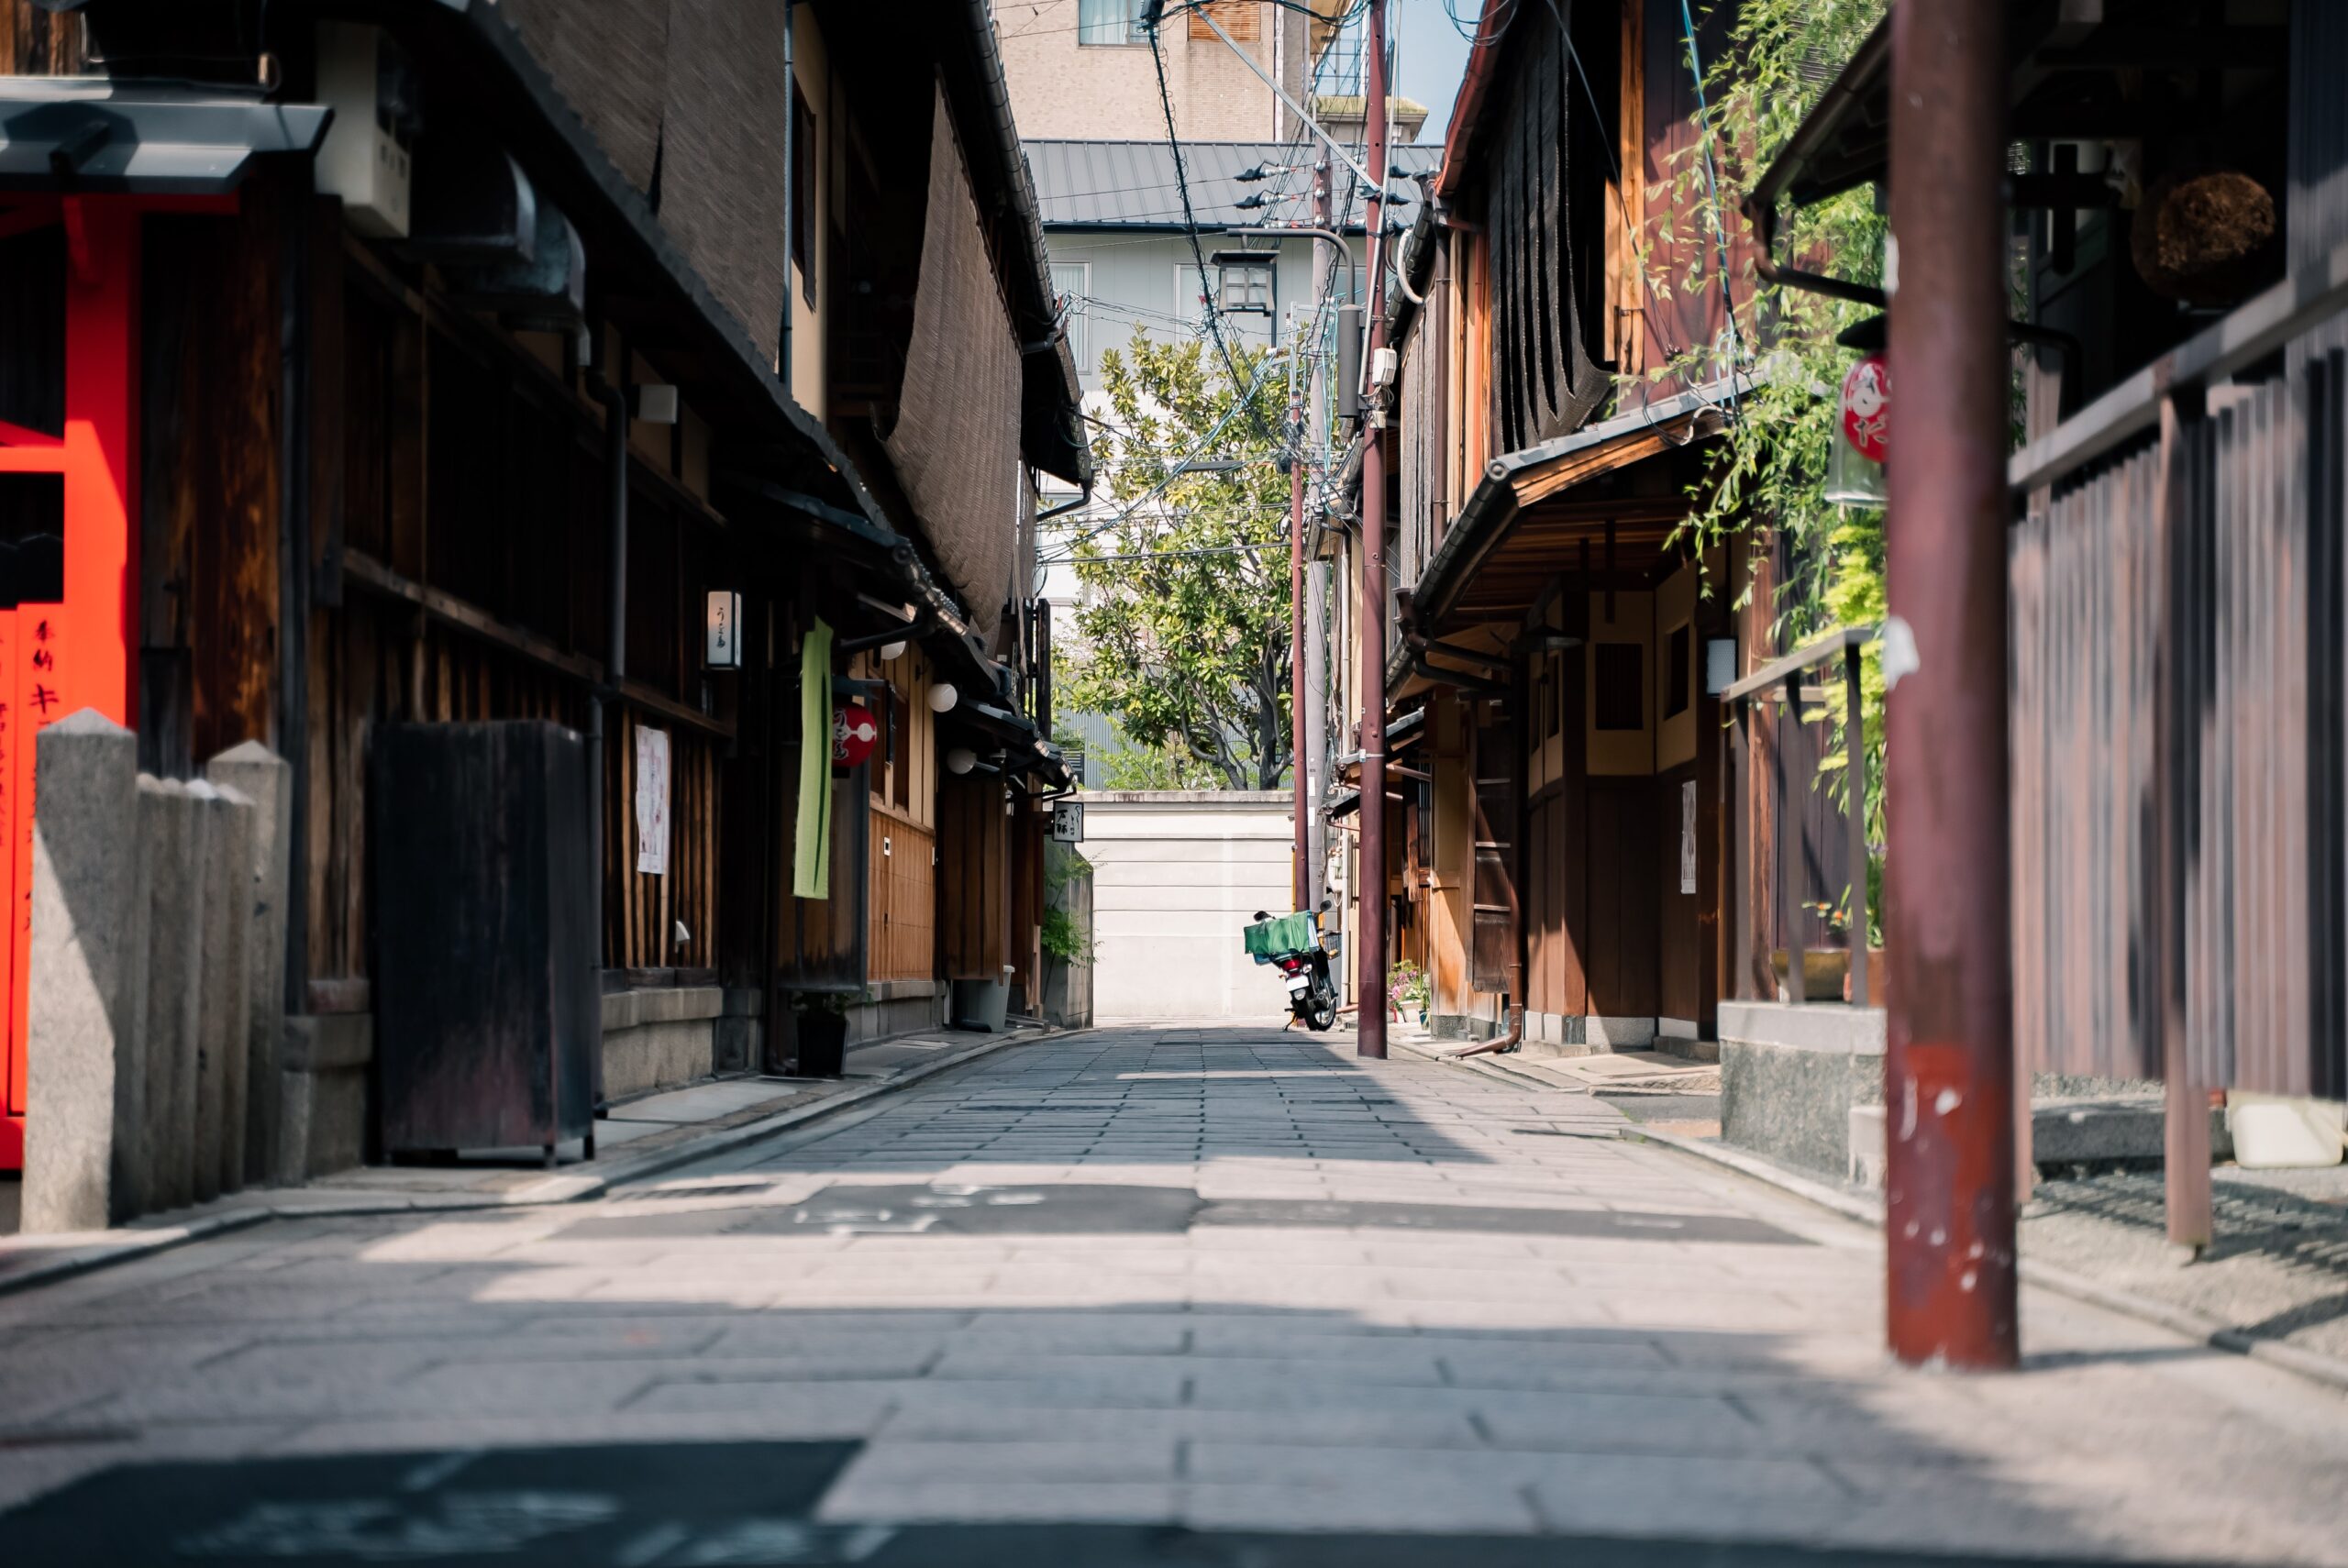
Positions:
{"x": 1321, "y": 1020}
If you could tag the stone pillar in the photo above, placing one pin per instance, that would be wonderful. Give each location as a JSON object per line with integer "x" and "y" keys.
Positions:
{"x": 263, "y": 778}
{"x": 227, "y": 981}
{"x": 85, "y": 1122}
{"x": 171, "y": 839}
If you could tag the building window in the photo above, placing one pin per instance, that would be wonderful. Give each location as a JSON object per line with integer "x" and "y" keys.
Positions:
{"x": 1109, "y": 22}
{"x": 1190, "y": 297}
{"x": 1073, "y": 281}
{"x": 1618, "y": 678}
{"x": 1247, "y": 285}
{"x": 1237, "y": 17}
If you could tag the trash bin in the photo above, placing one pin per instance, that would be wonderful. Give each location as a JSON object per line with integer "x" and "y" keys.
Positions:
{"x": 981, "y": 1004}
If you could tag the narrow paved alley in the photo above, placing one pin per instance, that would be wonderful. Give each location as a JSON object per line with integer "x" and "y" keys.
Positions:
{"x": 1198, "y": 1295}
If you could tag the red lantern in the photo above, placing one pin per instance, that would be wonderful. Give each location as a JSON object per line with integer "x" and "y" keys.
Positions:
{"x": 1866, "y": 408}
{"x": 854, "y": 733}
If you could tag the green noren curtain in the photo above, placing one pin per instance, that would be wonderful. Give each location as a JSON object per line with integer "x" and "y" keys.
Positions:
{"x": 811, "y": 865}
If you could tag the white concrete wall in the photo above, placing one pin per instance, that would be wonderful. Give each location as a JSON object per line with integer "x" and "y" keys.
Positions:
{"x": 1176, "y": 874}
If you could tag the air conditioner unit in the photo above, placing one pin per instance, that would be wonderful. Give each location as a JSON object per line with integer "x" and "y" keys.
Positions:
{"x": 366, "y": 80}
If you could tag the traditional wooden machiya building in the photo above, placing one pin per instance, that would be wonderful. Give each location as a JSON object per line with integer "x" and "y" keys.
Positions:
{"x": 1556, "y": 825}
{"x": 427, "y": 364}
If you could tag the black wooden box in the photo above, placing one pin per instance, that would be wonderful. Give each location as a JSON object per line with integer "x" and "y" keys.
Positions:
{"x": 487, "y": 1004}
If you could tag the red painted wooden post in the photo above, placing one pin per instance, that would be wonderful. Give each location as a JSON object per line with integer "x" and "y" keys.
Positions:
{"x": 57, "y": 659}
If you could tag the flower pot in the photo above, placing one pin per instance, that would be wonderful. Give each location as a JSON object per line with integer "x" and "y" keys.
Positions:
{"x": 1824, "y": 969}
{"x": 1878, "y": 980}
{"x": 823, "y": 1044}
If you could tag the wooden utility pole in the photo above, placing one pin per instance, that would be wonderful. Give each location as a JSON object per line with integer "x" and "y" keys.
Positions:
{"x": 1369, "y": 884}
{"x": 1949, "y": 1069}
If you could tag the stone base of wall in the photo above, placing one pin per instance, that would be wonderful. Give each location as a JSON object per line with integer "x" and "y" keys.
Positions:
{"x": 322, "y": 1127}
{"x": 1573, "y": 1034}
{"x": 1790, "y": 1077}
{"x": 659, "y": 1039}
{"x": 898, "y": 1007}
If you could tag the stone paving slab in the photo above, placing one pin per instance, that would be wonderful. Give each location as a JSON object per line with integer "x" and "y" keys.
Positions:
{"x": 1519, "y": 1360}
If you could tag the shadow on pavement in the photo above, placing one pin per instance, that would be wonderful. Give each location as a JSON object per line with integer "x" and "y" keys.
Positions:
{"x": 668, "y": 1506}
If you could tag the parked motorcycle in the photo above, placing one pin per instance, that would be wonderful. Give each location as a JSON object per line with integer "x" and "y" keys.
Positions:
{"x": 1292, "y": 945}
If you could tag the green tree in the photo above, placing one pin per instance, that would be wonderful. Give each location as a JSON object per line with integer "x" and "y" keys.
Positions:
{"x": 1182, "y": 631}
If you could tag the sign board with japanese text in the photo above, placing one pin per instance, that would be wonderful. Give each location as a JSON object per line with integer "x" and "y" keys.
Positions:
{"x": 651, "y": 801}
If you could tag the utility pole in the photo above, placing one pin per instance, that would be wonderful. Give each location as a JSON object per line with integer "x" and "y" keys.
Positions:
{"x": 1949, "y": 1069}
{"x": 1301, "y": 878}
{"x": 1369, "y": 884}
{"x": 1316, "y": 619}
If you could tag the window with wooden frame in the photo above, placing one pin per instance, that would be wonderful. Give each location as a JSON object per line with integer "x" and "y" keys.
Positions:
{"x": 1620, "y": 678}
{"x": 1241, "y": 18}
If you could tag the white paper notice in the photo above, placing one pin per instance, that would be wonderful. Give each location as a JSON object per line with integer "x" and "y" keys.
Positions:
{"x": 652, "y": 800}
{"x": 1688, "y": 836}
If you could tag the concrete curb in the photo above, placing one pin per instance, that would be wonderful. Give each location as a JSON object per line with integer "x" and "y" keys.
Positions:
{"x": 136, "y": 1240}
{"x": 2313, "y": 1366}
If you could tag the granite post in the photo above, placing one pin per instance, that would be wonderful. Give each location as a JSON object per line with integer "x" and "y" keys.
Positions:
{"x": 171, "y": 839}
{"x": 263, "y": 778}
{"x": 227, "y": 981}
{"x": 85, "y": 1115}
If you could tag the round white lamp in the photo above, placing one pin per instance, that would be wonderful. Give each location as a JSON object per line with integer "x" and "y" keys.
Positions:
{"x": 891, "y": 652}
{"x": 942, "y": 697}
{"x": 960, "y": 760}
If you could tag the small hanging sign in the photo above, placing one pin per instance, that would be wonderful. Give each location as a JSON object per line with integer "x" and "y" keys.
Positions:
{"x": 651, "y": 801}
{"x": 721, "y": 648}
{"x": 855, "y": 732}
{"x": 1866, "y": 407}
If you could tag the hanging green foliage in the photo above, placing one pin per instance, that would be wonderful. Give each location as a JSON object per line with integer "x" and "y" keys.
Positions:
{"x": 1769, "y": 469}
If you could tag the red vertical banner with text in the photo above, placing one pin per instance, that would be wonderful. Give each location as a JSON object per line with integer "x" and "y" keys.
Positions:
{"x": 12, "y": 815}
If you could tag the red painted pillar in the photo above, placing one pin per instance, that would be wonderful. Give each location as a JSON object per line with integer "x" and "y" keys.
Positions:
{"x": 1949, "y": 1070}
{"x": 56, "y": 659}
{"x": 102, "y": 455}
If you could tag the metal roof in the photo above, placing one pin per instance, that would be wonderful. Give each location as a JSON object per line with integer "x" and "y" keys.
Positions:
{"x": 77, "y": 133}
{"x": 1132, "y": 184}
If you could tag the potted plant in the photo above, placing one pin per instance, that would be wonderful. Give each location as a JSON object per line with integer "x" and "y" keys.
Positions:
{"x": 1406, "y": 990}
{"x": 822, "y": 1018}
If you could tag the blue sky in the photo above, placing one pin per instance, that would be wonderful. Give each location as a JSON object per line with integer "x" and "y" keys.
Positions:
{"x": 1430, "y": 55}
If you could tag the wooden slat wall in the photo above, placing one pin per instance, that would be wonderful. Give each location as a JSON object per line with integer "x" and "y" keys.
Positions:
{"x": 1492, "y": 755}
{"x": 463, "y": 467}
{"x": 367, "y": 668}
{"x": 973, "y": 882}
{"x": 1544, "y": 382}
{"x": 2083, "y": 588}
{"x": 2205, "y": 665}
{"x": 641, "y": 909}
{"x": 902, "y": 944}
{"x": 35, "y": 42}
{"x": 209, "y": 507}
